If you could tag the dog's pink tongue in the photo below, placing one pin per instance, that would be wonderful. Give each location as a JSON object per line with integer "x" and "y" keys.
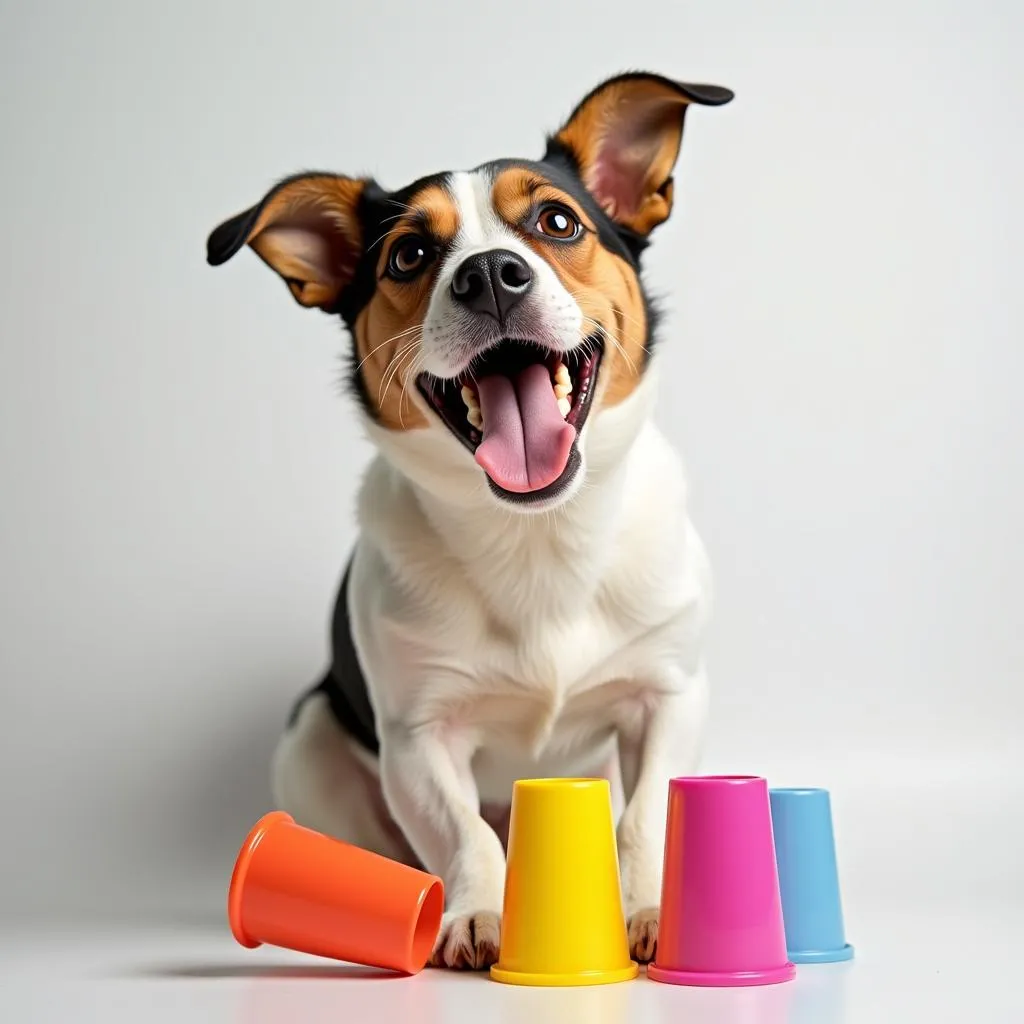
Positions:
{"x": 526, "y": 442}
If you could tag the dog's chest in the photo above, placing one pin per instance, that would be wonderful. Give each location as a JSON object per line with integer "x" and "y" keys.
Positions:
{"x": 552, "y": 684}
{"x": 537, "y": 636}
{"x": 554, "y": 663}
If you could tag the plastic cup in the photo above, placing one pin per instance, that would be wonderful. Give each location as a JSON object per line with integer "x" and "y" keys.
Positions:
{"x": 562, "y": 922}
{"x": 299, "y": 889}
{"x": 808, "y": 876}
{"x": 721, "y": 913}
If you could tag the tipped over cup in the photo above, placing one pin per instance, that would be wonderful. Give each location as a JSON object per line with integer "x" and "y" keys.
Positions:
{"x": 721, "y": 913}
{"x": 298, "y": 889}
{"x": 809, "y": 876}
{"x": 562, "y": 922}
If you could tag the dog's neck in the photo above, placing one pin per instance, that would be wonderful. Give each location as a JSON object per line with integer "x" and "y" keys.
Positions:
{"x": 526, "y": 566}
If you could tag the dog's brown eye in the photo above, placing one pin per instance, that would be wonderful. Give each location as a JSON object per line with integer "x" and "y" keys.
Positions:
{"x": 557, "y": 222}
{"x": 408, "y": 257}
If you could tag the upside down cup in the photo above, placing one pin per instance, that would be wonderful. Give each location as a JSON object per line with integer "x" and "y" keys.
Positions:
{"x": 298, "y": 889}
{"x": 721, "y": 913}
{"x": 562, "y": 922}
{"x": 808, "y": 876}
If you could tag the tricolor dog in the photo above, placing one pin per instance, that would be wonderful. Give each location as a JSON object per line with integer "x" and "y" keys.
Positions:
{"x": 527, "y": 596}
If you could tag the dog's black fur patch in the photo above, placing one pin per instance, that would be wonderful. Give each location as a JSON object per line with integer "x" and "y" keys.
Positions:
{"x": 344, "y": 684}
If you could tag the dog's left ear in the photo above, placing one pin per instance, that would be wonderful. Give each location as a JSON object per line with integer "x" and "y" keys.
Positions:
{"x": 307, "y": 229}
{"x": 624, "y": 138}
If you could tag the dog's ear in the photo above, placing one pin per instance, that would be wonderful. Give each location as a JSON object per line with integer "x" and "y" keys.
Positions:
{"x": 624, "y": 138}
{"x": 307, "y": 229}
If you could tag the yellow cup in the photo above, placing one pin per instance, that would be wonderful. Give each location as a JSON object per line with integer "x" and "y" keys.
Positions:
{"x": 563, "y": 922}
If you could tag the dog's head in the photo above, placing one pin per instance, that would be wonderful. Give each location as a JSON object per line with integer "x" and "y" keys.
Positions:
{"x": 494, "y": 312}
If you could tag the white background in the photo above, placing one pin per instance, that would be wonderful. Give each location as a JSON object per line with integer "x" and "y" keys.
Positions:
{"x": 843, "y": 363}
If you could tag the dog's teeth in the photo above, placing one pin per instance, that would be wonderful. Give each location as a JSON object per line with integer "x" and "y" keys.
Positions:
{"x": 563, "y": 390}
{"x": 562, "y": 376}
{"x": 564, "y": 405}
{"x": 472, "y": 403}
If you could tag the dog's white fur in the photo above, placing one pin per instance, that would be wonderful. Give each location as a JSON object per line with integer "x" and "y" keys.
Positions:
{"x": 499, "y": 644}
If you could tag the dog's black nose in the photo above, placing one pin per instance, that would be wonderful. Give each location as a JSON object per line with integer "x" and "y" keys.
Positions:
{"x": 492, "y": 282}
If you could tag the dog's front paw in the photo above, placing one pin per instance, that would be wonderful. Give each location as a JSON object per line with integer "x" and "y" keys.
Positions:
{"x": 468, "y": 942}
{"x": 643, "y": 935}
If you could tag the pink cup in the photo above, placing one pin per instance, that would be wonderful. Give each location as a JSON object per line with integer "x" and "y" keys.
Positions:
{"x": 721, "y": 913}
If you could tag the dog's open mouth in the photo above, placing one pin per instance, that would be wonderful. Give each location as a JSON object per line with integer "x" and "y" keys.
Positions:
{"x": 519, "y": 409}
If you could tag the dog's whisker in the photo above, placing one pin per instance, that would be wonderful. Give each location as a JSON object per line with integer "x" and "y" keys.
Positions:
{"x": 615, "y": 309}
{"x": 396, "y": 355}
{"x": 387, "y": 341}
{"x": 625, "y": 355}
{"x": 395, "y": 366}
{"x": 627, "y": 316}
{"x": 373, "y": 245}
{"x": 410, "y": 349}
{"x": 388, "y": 370}
{"x": 610, "y": 336}
{"x": 411, "y": 375}
{"x": 636, "y": 323}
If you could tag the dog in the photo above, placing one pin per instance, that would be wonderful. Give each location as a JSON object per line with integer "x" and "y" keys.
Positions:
{"x": 527, "y": 596}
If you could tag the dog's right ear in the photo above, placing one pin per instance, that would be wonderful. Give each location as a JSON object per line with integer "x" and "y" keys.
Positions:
{"x": 307, "y": 229}
{"x": 624, "y": 137}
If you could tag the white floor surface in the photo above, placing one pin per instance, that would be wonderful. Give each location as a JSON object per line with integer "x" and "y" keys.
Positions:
{"x": 928, "y": 967}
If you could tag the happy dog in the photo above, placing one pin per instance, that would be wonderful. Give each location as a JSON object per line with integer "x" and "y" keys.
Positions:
{"x": 527, "y": 596}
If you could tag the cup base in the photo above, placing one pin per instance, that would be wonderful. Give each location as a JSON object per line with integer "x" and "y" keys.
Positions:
{"x": 565, "y": 980}
{"x": 821, "y": 956}
{"x": 721, "y": 979}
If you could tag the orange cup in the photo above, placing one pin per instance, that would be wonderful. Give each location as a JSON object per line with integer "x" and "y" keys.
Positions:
{"x": 302, "y": 890}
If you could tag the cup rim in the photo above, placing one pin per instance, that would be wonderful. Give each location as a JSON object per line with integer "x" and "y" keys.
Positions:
{"x": 236, "y": 888}
{"x": 565, "y": 979}
{"x": 711, "y": 780}
{"x": 799, "y": 790}
{"x": 427, "y": 924}
{"x": 556, "y": 783}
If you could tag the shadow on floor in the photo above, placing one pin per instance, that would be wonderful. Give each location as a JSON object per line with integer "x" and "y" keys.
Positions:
{"x": 287, "y": 972}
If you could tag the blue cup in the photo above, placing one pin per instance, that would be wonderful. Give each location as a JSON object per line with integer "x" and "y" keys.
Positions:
{"x": 805, "y": 852}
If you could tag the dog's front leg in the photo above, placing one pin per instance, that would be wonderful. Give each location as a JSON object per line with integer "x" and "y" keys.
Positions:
{"x": 661, "y": 741}
{"x": 430, "y": 790}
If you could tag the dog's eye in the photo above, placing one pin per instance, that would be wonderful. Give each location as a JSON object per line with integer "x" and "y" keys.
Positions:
{"x": 408, "y": 257}
{"x": 557, "y": 222}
